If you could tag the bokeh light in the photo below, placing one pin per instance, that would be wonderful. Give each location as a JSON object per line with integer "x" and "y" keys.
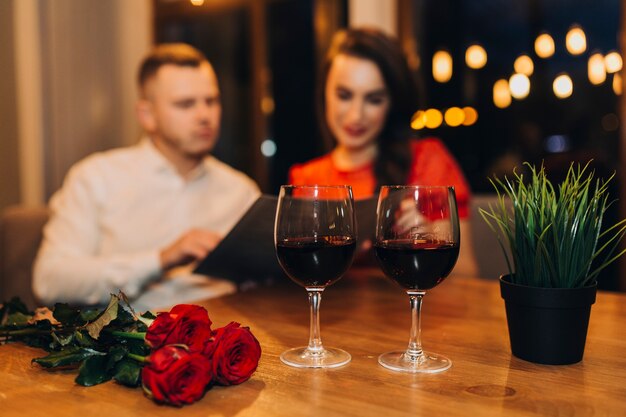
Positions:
{"x": 471, "y": 116}
{"x": 418, "y": 121}
{"x": 268, "y": 148}
{"x": 524, "y": 65}
{"x": 442, "y": 66}
{"x": 576, "y": 41}
{"x": 434, "y": 118}
{"x": 476, "y": 57}
{"x": 267, "y": 105}
{"x": 617, "y": 83}
{"x": 596, "y": 69}
{"x": 544, "y": 46}
{"x": 501, "y": 94}
{"x": 563, "y": 86}
{"x": 454, "y": 116}
{"x": 519, "y": 86}
{"x": 613, "y": 62}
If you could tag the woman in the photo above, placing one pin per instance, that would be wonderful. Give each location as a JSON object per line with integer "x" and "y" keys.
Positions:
{"x": 369, "y": 96}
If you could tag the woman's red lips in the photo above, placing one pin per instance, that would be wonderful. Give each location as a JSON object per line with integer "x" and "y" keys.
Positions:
{"x": 354, "y": 131}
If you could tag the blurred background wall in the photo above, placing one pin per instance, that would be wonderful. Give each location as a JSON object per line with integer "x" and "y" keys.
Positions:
{"x": 68, "y": 86}
{"x": 9, "y": 167}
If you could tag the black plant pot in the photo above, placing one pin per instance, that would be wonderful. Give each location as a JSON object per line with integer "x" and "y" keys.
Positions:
{"x": 547, "y": 325}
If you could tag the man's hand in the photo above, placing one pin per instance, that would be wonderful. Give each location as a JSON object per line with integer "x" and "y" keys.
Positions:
{"x": 193, "y": 245}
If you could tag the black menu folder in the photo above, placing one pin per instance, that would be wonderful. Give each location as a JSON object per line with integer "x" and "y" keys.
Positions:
{"x": 246, "y": 255}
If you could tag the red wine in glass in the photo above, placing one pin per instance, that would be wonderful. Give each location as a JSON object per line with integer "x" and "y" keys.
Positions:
{"x": 417, "y": 245}
{"x": 315, "y": 261}
{"x": 416, "y": 264}
{"x": 315, "y": 240}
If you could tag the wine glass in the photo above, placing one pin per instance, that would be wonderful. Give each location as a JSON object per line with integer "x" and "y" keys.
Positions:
{"x": 417, "y": 245}
{"x": 315, "y": 240}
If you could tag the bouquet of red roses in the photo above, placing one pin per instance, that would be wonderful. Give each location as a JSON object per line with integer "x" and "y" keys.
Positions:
{"x": 175, "y": 356}
{"x": 188, "y": 356}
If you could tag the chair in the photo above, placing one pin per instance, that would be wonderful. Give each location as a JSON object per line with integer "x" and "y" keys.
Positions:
{"x": 20, "y": 235}
{"x": 487, "y": 251}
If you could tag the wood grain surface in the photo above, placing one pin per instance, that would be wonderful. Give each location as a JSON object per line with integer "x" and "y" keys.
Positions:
{"x": 365, "y": 314}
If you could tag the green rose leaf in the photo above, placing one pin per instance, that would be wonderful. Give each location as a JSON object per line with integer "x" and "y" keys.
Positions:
{"x": 124, "y": 318}
{"x": 15, "y": 305}
{"x": 83, "y": 340}
{"x": 69, "y": 356}
{"x": 43, "y": 325}
{"x": 148, "y": 315}
{"x": 93, "y": 371}
{"x": 65, "y": 314}
{"x": 128, "y": 372}
{"x": 116, "y": 354}
{"x": 108, "y": 315}
{"x": 18, "y": 319}
{"x": 62, "y": 340}
{"x": 137, "y": 347}
{"x": 90, "y": 314}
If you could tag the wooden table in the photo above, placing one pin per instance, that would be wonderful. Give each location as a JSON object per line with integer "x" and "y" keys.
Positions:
{"x": 366, "y": 315}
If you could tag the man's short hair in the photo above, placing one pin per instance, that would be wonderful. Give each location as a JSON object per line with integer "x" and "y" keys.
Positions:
{"x": 179, "y": 54}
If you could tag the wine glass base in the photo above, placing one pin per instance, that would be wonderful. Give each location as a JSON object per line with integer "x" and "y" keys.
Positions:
{"x": 302, "y": 357}
{"x": 426, "y": 363}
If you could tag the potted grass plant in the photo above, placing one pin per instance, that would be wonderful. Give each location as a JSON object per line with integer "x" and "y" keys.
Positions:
{"x": 558, "y": 247}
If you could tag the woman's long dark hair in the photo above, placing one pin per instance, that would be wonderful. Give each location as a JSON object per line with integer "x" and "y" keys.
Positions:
{"x": 394, "y": 157}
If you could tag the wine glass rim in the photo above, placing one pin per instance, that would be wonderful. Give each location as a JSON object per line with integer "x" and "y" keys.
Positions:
{"x": 288, "y": 186}
{"x": 411, "y": 187}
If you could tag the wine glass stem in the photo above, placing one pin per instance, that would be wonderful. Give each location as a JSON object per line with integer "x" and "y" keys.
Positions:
{"x": 315, "y": 339}
{"x": 414, "y": 352}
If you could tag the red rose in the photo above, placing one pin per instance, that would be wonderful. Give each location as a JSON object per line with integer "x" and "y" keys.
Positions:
{"x": 184, "y": 324}
{"x": 234, "y": 354}
{"x": 175, "y": 376}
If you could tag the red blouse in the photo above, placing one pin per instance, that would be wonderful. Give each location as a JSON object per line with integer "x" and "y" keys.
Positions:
{"x": 432, "y": 164}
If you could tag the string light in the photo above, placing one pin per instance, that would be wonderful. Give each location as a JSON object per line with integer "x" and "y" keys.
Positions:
{"x": 418, "y": 121}
{"x": 544, "y": 46}
{"x": 501, "y": 94}
{"x": 524, "y": 65}
{"x": 519, "y": 86}
{"x": 613, "y": 62}
{"x": 617, "y": 84}
{"x": 442, "y": 66}
{"x": 471, "y": 116}
{"x": 576, "y": 41}
{"x": 596, "y": 70}
{"x": 563, "y": 86}
{"x": 434, "y": 118}
{"x": 476, "y": 57}
{"x": 454, "y": 116}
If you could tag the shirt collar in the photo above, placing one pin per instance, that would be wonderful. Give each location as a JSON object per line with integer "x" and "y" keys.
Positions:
{"x": 156, "y": 161}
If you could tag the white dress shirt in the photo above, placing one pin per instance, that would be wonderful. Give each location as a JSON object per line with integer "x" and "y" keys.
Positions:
{"x": 114, "y": 214}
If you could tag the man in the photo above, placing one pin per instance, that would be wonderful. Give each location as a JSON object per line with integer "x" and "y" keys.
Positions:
{"x": 127, "y": 218}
